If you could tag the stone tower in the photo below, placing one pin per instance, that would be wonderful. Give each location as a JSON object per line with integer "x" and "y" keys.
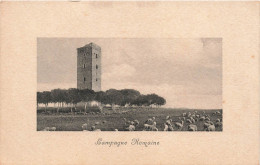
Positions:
{"x": 89, "y": 67}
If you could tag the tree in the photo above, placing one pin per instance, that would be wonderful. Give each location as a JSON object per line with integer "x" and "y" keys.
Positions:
{"x": 101, "y": 98}
{"x": 87, "y": 95}
{"x": 55, "y": 96}
{"x": 151, "y": 98}
{"x": 141, "y": 100}
{"x": 58, "y": 96}
{"x": 160, "y": 101}
{"x": 113, "y": 97}
{"x": 39, "y": 98}
{"x": 73, "y": 97}
{"x": 129, "y": 95}
{"x": 46, "y": 98}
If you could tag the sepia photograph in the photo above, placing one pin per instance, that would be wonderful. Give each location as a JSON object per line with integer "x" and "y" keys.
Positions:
{"x": 129, "y": 84}
{"x": 114, "y": 82}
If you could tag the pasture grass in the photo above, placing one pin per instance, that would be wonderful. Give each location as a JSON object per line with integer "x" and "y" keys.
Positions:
{"x": 114, "y": 120}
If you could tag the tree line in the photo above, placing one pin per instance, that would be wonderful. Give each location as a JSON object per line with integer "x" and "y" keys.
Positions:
{"x": 71, "y": 97}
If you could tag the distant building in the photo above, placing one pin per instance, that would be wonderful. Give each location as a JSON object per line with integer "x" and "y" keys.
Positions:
{"x": 89, "y": 67}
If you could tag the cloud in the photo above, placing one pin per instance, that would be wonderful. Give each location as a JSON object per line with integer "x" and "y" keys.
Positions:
{"x": 118, "y": 73}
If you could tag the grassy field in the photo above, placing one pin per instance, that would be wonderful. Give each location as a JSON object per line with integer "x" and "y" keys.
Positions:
{"x": 114, "y": 120}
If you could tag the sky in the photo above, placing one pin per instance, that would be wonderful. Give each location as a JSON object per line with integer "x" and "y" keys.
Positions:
{"x": 186, "y": 72}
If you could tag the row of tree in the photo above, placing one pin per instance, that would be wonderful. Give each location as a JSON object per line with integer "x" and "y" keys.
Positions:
{"x": 112, "y": 97}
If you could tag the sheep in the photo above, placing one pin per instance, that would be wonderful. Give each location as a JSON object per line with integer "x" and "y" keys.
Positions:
{"x": 148, "y": 127}
{"x": 182, "y": 118}
{"x": 192, "y": 127}
{"x": 218, "y": 124}
{"x": 168, "y": 122}
{"x": 170, "y": 128}
{"x": 165, "y": 127}
{"x": 84, "y": 126}
{"x": 179, "y": 125}
{"x": 202, "y": 118}
{"x": 154, "y": 127}
{"x": 167, "y": 117}
{"x": 49, "y": 129}
{"x": 136, "y": 122}
{"x": 116, "y": 129}
{"x": 93, "y": 128}
{"x": 211, "y": 128}
{"x": 192, "y": 120}
{"x": 188, "y": 121}
{"x": 207, "y": 119}
{"x": 189, "y": 114}
{"x": 52, "y": 129}
{"x": 149, "y": 121}
{"x": 97, "y": 123}
{"x": 130, "y": 128}
{"x": 206, "y": 125}
{"x": 184, "y": 114}
{"x": 46, "y": 129}
{"x": 127, "y": 122}
{"x": 217, "y": 120}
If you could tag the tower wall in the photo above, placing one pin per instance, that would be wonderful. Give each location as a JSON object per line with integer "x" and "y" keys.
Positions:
{"x": 89, "y": 67}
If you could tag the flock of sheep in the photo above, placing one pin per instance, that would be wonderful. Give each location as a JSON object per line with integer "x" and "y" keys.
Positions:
{"x": 188, "y": 119}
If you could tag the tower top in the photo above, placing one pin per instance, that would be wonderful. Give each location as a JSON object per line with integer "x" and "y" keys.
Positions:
{"x": 92, "y": 45}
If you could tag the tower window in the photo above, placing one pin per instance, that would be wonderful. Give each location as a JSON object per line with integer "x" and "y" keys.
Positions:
{"x": 96, "y": 55}
{"x": 84, "y": 65}
{"x": 96, "y": 79}
{"x": 84, "y": 79}
{"x": 96, "y": 66}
